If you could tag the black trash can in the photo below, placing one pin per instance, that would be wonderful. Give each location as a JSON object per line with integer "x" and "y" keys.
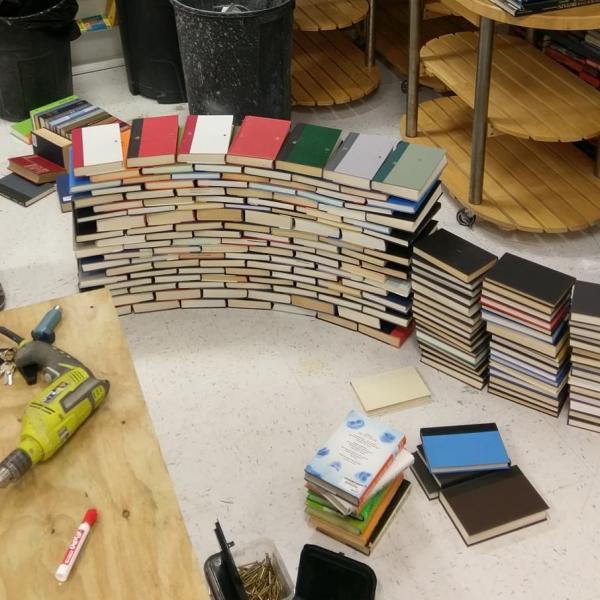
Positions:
{"x": 239, "y": 61}
{"x": 35, "y": 54}
{"x": 151, "y": 50}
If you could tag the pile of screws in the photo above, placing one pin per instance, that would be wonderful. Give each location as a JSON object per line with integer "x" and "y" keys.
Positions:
{"x": 260, "y": 580}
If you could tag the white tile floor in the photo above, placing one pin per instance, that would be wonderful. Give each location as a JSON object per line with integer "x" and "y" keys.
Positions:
{"x": 240, "y": 399}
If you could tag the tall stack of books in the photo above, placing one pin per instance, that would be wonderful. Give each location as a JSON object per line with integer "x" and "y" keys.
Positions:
{"x": 526, "y": 307}
{"x": 467, "y": 468}
{"x": 584, "y": 380}
{"x": 356, "y": 481}
{"x": 299, "y": 219}
{"x": 447, "y": 276}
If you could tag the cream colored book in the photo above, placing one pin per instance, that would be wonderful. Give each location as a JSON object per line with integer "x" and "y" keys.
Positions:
{"x": 392, "y": 389}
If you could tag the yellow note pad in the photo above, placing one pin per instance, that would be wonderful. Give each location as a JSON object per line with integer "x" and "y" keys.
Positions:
{"x": 384, "y": 391}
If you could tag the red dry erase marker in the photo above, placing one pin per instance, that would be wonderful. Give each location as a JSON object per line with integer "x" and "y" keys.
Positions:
{"x": 64, "y": 569}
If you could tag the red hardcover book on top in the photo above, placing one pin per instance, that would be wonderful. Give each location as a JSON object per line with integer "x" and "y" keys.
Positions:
{"x": 258, "y": 142}
{"x": 153, "y": 141}
{"x": 35, "y": 168}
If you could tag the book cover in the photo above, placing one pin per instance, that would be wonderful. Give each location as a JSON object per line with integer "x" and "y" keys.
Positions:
{"x": 97, "y": 150}
{"x": 392, "y": 389}
{"x": 205, "y": 139}
{"x": 21, "y": 191}
{"x": 308, "y": 148}
{"x": 457, "y": 448}
{"x": 409, "y": 170}
{"x": 153, "y": 141}
{"x": 258, "y": 141}
{"x": 65, "y": 199}
{"x": 494, "y": 504}
{"x": 22, "y": 130}
{"x": 51, "y": 146}
{"x": 35, "y": 168}
{"x": 358, "y": 159}
{"x": 585, "y": 305}
{"x": 530, "y": 279}
{"x": 454, "y": 255}
{"x": 355, "y": 456}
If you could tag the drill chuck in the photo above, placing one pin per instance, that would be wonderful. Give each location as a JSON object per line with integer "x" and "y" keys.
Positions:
{"x": 14, "y": 466}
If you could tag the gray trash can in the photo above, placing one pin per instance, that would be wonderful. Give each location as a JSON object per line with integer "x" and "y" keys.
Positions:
{"x": 237, "y": 61}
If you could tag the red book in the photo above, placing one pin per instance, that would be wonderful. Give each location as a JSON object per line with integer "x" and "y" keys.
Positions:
{"x": 153, "y": 141}
{"x": 35, "y": 168}
{"x": 525, "y": 318}
{"x": 258, "y": 142}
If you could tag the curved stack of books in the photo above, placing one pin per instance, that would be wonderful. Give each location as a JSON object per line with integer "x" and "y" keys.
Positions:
{"x": 301, "y": 218}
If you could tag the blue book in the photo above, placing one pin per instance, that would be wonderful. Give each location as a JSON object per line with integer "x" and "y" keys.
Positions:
{"x": 64, "y": 196}
{"x": 462, "y": 448}
{"x": 355, "y": 457}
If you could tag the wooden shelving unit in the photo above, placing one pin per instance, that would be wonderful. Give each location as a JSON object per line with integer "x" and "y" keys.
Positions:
{"x": 531, "y": 96}
{"x": 327, "y": 67}
{"x": 531, "y": 186}
{"x": 392, "y": 33}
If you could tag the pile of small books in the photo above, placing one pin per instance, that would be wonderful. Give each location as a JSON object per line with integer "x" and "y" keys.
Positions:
{"x": 519, "y": 8}
{"x": 584, "y": 380}
{"x": 447, "y": 276}
{"x": 356, "y": 481}
{"x": 526, "y": 307}
{"x": 468, "y": 469}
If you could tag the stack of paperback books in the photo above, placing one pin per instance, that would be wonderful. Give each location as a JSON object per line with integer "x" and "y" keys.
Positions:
{"x": 293, "y": 218}
{"x": 526, "y": 307}
{"x": 584, "y": 381}
{"x": 356, "y": 481}
{"x": 447, "y": 276}
{"x": 468, "y": 469}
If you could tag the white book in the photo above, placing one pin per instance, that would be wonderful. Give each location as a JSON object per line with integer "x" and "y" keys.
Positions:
{"x": 206, "y": 139}
{"x": 97, "y": 150}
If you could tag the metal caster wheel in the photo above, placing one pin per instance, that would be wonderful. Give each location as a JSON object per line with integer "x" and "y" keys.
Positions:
{"x": 404, "y": 86}
{"x": 465, "y": 217}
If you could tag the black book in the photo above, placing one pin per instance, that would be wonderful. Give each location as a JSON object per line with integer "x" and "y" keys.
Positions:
{"x": 456, "y": 256}
{"x": 531, "y": 280}
{"x": 23, "y": 192}
{"x": 424, "y": 477}
{"x": 497, "y": 503}
{"x": 585, "y": 305}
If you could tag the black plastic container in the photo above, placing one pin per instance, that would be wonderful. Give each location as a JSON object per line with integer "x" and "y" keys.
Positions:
{"x": 236, "y": 62}
{"x": 35, "y": 55}
{"x": 151, "y": 50}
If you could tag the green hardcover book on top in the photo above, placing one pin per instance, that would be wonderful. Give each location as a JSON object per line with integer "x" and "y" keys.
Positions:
{"x": 307, "y": 149}
{"x": 409, "y": 171}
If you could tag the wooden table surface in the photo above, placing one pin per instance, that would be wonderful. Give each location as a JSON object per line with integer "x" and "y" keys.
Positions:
{"x": 139, "y": 548}
{"x": 583, "y": 17}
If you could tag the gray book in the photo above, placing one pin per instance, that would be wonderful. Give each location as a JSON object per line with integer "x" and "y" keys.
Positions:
{"x": 358, "y": 159}
{"x": 23, "y": 192}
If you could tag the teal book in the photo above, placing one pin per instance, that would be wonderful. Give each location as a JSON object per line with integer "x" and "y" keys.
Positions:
{"x": 409, "y": 171}
{"x": 307, "y": 149}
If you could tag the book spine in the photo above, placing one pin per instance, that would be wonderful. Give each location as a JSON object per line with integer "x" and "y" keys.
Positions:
{"x": 135, "y": 141}
{"x": 77, "y": 147}
{"x": 188, "y": 135}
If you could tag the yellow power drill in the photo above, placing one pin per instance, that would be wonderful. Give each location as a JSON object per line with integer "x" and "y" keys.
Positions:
{"x": 56, "y": 413}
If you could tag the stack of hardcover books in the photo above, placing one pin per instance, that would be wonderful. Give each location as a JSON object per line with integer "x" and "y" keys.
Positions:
{"x": 447, "y": 276}
{"x": 467, "y": 468}
{"x": 293, "y": 218}
{"x": 584, "y": 380}
{"x": 356, "y": 481}
{"x": 526, "y": 307}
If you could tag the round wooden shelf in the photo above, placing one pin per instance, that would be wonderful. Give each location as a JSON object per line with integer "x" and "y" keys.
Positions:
{"x": 529, "y": 186}
{"x": 392, "y": 35}
{"x": 326, "y": 15}
{"x": 531, "y": 96}
{"x": 583, "y": 17}
{"x": 328, "y": 68}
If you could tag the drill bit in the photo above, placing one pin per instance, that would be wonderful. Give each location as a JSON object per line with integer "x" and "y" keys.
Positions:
{"x": 14, "y": 466}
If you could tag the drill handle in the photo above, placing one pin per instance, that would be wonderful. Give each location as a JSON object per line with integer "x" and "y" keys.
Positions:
{"x": 53, "y": 361}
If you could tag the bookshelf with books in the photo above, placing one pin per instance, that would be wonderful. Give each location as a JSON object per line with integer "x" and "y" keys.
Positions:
{"x": 533, "y": 180}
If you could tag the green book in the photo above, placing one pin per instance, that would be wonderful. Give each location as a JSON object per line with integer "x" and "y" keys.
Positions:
{"x": 319, "y": 507}
{"x": 22, "y": 130}
{"x": 307, "y": 149}
{"x": 36, "y": 111}
{"x": 409, "y": 171}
